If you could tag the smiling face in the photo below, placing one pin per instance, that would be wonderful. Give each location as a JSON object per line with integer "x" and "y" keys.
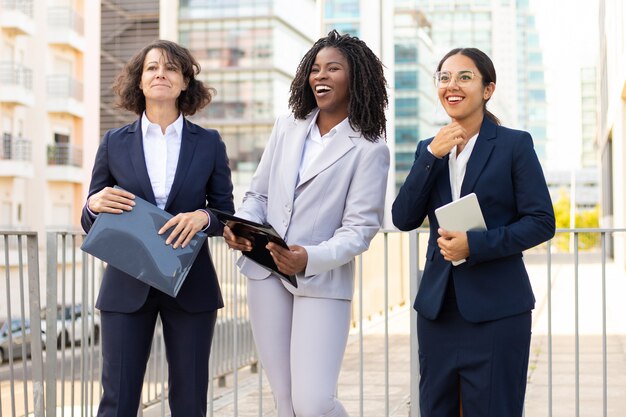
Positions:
{"x": 161, "y": 80}
{"x": 329, "y": 79}
{"x": 464, "y": 102}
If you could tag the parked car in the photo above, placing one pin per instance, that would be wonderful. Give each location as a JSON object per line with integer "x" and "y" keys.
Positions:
{"x": 19, "y": 337}
{"x": 72, "y": 332}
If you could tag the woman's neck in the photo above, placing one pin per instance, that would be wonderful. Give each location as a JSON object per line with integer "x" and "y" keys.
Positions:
{"x": 162, "y": 115}
{"x": 472, "y": 127}
{"x": 326, "y": 121}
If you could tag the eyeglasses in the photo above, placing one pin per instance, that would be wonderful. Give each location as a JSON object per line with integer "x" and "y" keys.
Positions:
{"x": 462, "y": 78}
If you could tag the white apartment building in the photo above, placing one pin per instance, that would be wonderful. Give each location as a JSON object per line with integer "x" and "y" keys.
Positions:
{"x": 44, "y": 113}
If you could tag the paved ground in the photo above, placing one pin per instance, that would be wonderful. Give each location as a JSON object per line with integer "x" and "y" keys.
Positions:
{"x": 569, "y": 396}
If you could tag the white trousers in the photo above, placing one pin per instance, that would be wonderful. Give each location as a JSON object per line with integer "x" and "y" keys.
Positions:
{"x": 301, "y": 342}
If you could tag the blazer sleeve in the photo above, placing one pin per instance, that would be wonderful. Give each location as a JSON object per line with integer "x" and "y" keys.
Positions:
{"x": 535, "y": 216}
{"x": 362, "y": 217}
{"x": 100, "y": 178}
{"x": 411, "y": 205}
{"x": 219, "y": 189}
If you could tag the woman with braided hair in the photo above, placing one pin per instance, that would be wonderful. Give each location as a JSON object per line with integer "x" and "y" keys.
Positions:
{"x": 321, "y": 184}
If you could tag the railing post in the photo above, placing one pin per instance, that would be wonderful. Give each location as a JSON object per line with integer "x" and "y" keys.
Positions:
{"x": 32, "y": 253}
{"x": 51, "y": 331}
{"x": 414, "y": 277}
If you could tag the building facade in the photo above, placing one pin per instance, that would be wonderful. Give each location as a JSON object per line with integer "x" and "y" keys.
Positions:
{"x": 249, "y": 52}
{"x": 520, "y": 99}
{"x": 611, "y": 138}
{"x": 43, "y": 109}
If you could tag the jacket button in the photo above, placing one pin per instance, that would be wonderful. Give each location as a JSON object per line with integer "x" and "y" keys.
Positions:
{"x": 427, "y": 167}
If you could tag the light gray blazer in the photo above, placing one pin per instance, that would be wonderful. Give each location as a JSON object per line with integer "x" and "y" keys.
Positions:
{"x": 334, "y": 211}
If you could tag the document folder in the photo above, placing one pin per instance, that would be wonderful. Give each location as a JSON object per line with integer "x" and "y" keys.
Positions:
{"x": 260, "y": 235}
{"x": 129, "y": 242}
{"x": 461, "y": 215}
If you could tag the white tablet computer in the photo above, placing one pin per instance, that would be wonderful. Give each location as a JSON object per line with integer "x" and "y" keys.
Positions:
{"x": 461, "y": 215}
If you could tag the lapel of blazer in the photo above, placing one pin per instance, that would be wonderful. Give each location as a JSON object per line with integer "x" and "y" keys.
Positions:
{"x": 480, "y": 154}
{"x": 138, "y": 160}
{"x": 294, "y": 146}
{"x": 188, "y": 144}
{"x": 338, "y": 146}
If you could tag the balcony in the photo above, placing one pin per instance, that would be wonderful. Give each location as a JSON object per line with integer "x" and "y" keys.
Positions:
{"x": 16, "y": 84}
{"x": 65, "y": 95}
{"x": 66, "y": 28}
{"x": 17, "y": 17}
{"x": 65, "y": 163}
{"x": 15, "y": 157}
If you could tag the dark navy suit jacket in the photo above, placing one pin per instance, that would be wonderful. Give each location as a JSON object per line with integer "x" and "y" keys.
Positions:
{"x": 504, "y": 172}
{"x": 202, "y": 180}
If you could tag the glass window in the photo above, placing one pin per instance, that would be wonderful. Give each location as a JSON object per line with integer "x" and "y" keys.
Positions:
{"x": 406, "y": 107}
{"x": 341, "y": 8}
{"x": 406, "y": 80}
{"x": 406, "y": 54}
{"x": 406, "y": 134}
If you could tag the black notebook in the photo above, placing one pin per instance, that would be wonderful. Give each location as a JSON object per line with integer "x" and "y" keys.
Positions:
{"x": 129, "y": 242}
{"x": 260, "y": 235}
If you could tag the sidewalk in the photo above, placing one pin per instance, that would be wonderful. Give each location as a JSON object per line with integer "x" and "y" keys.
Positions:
{"x": 563, "y": 311}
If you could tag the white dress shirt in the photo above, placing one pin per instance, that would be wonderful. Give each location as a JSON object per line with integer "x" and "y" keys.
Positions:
{"x": 315, "y": 144}
{"x": 161, "y": 152}
{"x": 457, "y": 166}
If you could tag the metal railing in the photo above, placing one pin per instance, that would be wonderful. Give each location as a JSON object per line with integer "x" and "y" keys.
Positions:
{"x": 66, "y": 17}
{"x": 14, "y": 74}
{"x": 65, "y": 154}
{"x": 24, "y": 6}
{"x": 64, "y": 86}
{"x": 578, "y": 320}
{"x": 15, "y": 148}
{"x": 21, "y": 387}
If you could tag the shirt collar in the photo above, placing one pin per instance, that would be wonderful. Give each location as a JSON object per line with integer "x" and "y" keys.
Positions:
{"x": 177, "y": 125}
{"x": 340, "y": 126}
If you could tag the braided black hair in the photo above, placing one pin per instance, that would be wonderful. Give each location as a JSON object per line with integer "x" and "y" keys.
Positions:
{"x": 367, "y": 88}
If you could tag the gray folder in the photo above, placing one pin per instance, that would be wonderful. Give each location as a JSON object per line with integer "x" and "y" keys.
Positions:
{"x": 129, "y": 242}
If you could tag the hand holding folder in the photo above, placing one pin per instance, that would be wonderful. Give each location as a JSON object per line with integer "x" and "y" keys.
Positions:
{"x": 461, "y": 215}
{"x": 130, "y": 242}
{"x": 259, "y": 235}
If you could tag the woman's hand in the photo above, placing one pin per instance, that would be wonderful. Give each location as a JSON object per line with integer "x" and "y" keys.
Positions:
{"x": 289, "y": 261}
{"x": 447, "y": 138}
{"x": 186, "y": 225}
{"x": 453, "y": 245}
{"x": 236, "y": 242}
{"x": 111, "y": 200}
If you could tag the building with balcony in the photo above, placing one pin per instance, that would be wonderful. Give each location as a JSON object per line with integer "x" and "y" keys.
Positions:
{"x": 42, "y": 112}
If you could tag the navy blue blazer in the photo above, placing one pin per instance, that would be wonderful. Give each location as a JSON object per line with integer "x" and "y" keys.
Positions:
{"x": 507, "y": 178}
{"x": 202, "y": 180}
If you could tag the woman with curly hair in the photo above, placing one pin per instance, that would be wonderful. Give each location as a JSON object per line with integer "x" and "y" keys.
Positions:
{"x": 183, "y": 169}
{"x": 321, "y": 184}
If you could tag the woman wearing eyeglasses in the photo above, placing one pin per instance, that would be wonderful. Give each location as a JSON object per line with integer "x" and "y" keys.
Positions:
{"x": 474, "y": 319}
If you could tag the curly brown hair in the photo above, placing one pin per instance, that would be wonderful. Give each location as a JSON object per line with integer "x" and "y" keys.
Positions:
{"x": 368, "y": 86}
{"x": 131, "y": 97}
